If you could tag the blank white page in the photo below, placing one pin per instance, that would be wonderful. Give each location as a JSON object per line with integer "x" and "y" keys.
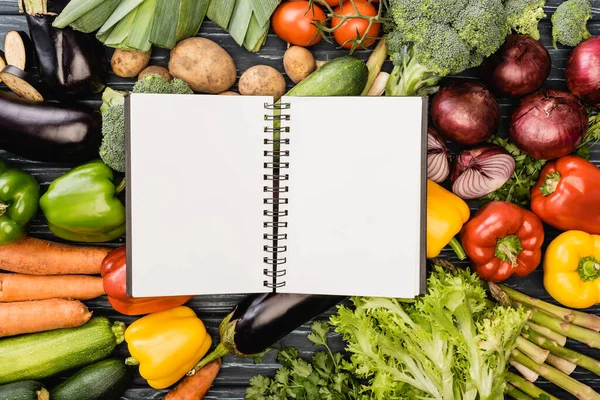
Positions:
{"x": 195, "y": 194}
{"x": 357, "y": 182}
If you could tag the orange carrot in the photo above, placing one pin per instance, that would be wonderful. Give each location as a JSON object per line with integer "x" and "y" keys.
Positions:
{"x": 196, "y": 386}
{"x": 41, "y": 257}
{"x": 17, "y": 287}
{"x": 41, "y": 315}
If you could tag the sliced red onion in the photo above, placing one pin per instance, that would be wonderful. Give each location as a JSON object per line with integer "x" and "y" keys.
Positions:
{"x": 438, "y": 157}
{"x": 480, "y": 171}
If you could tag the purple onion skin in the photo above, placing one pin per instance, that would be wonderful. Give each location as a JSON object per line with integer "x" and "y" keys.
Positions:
{"x": 583, "y": 71}
{"x": 549, "y": 124}
{"x": 465, "y": 112}
{"x": 518, "y": 68}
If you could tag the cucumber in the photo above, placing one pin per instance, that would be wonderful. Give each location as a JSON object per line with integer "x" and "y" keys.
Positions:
{"x": 40, "y": 355}
{"x": 344, "y": 76}
{"x": 24, "y": 390}
{"x": 105, "y": 380}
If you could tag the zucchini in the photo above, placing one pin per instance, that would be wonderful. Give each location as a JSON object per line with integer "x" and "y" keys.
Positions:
{"x": 105, "y": 380}
{"x": 44, "y": 354}
{"x": 24, "y": 390}
{"x": 344, "y": 76}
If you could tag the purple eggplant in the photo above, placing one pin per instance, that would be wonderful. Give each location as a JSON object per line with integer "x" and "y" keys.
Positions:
{"x": 44, "y": 131}
{"x": 261, "y": 320}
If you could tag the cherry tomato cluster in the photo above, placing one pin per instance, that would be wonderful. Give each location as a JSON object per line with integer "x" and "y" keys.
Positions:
{"x": 302, "y": 22}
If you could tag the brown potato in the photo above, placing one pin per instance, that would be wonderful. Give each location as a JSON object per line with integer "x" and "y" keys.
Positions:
{"x": 298, "y": 63}
{"x": 229, "y": 93}
{"x": 262, "y": 80}
{"x": 129, "y": 64}
{"x": 155, "y": 70}
{"x": 204, "y": 65}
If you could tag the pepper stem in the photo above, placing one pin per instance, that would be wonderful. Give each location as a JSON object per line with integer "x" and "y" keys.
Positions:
{"x": 458, "y": 249}
{"x": 3, "y": 208}
{"x": 220, "y": 351}
{"x": 508, "y": 249}
{"x": 550, "y": 183}
{"x": 118, "y": 330}
{"x": 588, "y": 268}
{"x": 131, "y": 361}
{"x": 120, "y": 187}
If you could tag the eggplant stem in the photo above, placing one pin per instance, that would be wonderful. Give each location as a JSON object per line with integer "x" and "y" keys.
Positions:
{"x": 218, "y": 352}
{"x": 458, "y": 249}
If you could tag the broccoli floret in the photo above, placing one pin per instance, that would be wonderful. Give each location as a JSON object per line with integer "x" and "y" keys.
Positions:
{"x": 434, "y": 38}
{"x": 178, "y": 86}
{"x": 569, "y": 22}
{"x": 111, "y": 97}
{"x": 523, "y": 16}
{"x": 152, "y": 84}
{"x": 112, "y": 150}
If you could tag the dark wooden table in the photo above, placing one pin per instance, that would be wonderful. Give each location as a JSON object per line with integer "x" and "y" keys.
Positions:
{"x": 236, "y": 372}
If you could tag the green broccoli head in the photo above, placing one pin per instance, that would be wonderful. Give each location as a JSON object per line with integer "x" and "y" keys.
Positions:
{"x": 523, "y": 16}
{"x": 112, "y": 149}
{"x": 178, "y": 86}
{"x": 569, "y": 22}
{"x": 152, "y": 84}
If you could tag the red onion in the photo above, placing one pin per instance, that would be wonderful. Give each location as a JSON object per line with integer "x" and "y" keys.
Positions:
{"x": 438, "y": 157}
{"x": 548, "y": 124}
{"x": 583, "y": 71}
{"x": 465, "y": 112}
{"x": 480, "y": 171}
{"x": 519, "y": 67}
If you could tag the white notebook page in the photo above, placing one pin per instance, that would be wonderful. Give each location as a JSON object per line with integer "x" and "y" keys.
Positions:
{"x": 356, "y": 196}
{"x": 195, "y": 194}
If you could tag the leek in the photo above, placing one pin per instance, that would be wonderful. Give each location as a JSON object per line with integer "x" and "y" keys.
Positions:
{"x": 220, "y": 11}
{"x": 191, "y": 16}
{"x": 139, "y": 35}
{"x": 74, "y": 10}
{"x": 93, "y": 20}
{"x": 121, "y": 30}
{"x": 164, "y": 25}
{"x": 123, "y": 10}
{"x": 240, "y": 21}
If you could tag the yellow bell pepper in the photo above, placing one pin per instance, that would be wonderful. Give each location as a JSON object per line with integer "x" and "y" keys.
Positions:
{"x": 446, "y": 214}
{"x": 572, "y": 269}
{"x": 167, "y": 345}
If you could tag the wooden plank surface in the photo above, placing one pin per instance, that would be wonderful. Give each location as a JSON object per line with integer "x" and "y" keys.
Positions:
{"x": 236, "y": 372}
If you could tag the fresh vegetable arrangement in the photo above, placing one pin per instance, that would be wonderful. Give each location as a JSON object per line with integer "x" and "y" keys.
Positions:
{"x": 498, "y": 178}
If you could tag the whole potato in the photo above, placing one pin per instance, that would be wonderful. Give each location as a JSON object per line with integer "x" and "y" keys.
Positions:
{"x": 204, "y": 65}
{"x": 155, "y": 70}
{"x": 262, "y": 80}
{"x": 129, "y": 64}
{"x": 298, "y": 63}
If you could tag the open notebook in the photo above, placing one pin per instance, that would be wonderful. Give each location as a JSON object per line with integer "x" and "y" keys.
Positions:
{"x": 235, "y": 194}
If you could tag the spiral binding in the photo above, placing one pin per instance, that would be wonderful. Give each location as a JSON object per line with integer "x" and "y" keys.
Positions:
{"x": 276, "y": 178}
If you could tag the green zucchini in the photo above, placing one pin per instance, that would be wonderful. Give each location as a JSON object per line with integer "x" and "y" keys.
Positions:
{"x": 105, "y": 380}
{"x": 344, "y": 76}
{"x": 40, "y": 355}
{"x": 24, "y": 390}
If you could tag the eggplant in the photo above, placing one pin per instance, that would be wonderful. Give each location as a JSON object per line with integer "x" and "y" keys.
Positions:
{"x": 261, "y": 320}
{"x": 72, "y": 64}
{"x": 2, "y": 63}
{"x": 18, "y": 50}
{"x": 20, "y": 82}
{"x": 53, "y": 132}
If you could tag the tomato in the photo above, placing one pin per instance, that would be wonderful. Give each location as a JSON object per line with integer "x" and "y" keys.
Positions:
{"x": 353, "y": 27}
{"x": 293, "y": 22}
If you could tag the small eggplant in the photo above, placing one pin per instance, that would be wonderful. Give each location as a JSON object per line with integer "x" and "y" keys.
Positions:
{"x": 260, "y": 320}
{"x": 72, "y": 64}
{"x": 20, "y": 82}
{"x": 45, "y": 131}
{"x": 18, "y": 50}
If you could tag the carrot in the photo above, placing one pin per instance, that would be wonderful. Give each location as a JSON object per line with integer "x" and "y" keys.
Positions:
{"x": 42, "y": 315}
{"x": 196, "y": 386}
{"x": 17, "y": 287}
{"x": 41, "y": 257}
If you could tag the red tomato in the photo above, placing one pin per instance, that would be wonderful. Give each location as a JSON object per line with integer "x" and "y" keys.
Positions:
{"x": 355, "y": 27}
{"x": 293, "y": 22}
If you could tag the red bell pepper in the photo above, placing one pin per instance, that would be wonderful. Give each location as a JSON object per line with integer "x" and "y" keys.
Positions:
{"x": 114, "y": 279}
{"x": 567, "y": 195}
{"x": 503, "y": 239}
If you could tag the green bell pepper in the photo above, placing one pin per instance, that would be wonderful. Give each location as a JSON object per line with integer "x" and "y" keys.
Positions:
{"x": 81, "y": 205}
{"x": 19, "y": 195}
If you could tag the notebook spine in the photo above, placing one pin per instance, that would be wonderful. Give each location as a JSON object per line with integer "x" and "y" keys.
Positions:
{"x": 275, "y": 185}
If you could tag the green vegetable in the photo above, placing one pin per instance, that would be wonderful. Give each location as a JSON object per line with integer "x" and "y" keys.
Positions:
{"x": 105, "y": 380}
{"x": 569, "y": 22}
{"x": 82, "y": 206}
{"x": 523, "y": 16}
{"x": 431, "y": 39}
{"x": 344, "y": 76}
{"x": 24, "y": 390}
{"x": 591, "y": 137}
{"x": 112, "y": 149}
{"x": 19, "y": 195}
{"x": 527, "y": 171}
{"x": 40, "y": 355}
